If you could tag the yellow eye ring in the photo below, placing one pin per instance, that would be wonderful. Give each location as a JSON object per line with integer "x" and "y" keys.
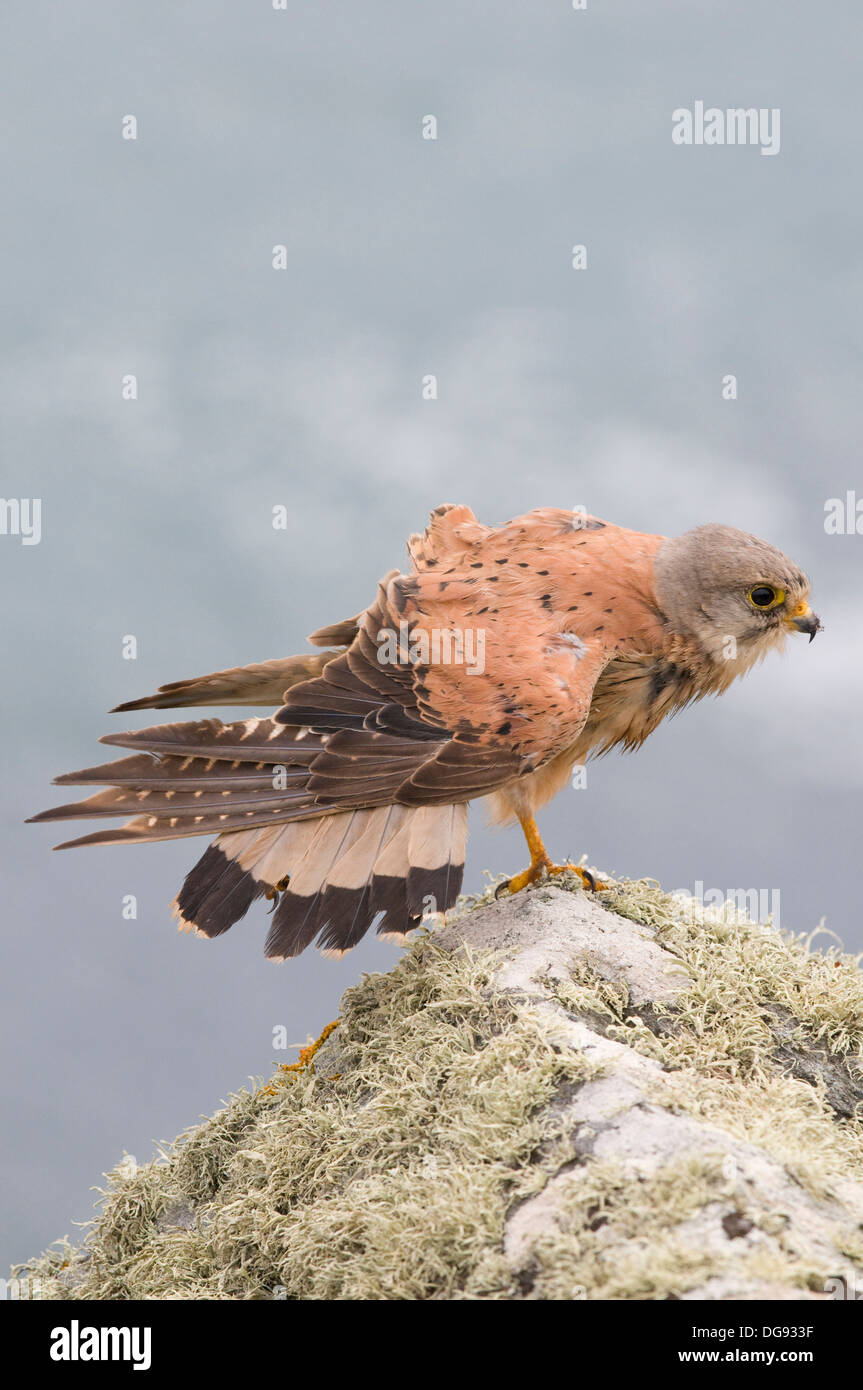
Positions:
{"x": 765, "y": 596}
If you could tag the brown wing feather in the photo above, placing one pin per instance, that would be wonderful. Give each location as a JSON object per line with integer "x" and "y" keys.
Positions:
{"x": 413, "y": 730}
{"x": 355, "y": 788}
{"x": 263, "y": 684}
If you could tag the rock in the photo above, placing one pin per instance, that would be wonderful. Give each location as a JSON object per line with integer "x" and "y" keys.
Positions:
{"x": 547, "y": 929}
{"x": 553, "y": 1096}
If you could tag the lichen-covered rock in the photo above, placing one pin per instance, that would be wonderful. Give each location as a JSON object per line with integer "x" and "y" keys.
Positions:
{"x": 554, "y": 1096}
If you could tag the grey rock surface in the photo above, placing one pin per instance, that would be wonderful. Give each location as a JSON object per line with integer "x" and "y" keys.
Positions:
{"x": 623, "y": 1117}
{"x": 553, "y": 1096}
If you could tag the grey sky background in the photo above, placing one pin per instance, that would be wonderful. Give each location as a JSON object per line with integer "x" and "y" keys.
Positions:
{"x": 258, "y": 387}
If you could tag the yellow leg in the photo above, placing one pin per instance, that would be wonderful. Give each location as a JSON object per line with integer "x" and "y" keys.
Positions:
{"x": 540, "y": 863}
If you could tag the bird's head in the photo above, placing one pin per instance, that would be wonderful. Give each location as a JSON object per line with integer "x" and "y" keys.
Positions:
{"x": 735, "y": 594}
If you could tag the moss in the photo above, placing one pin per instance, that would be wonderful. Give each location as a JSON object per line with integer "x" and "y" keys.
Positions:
{"x": 387, "y": 1168}
{"x": 749, "y": 965}
{"x": 720, "y": 1039}
{"x": 622, "y": 1237}
{"x": 391, "y": 1181}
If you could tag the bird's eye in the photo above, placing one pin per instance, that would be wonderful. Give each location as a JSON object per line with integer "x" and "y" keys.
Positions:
{"x": 765, "y": 596}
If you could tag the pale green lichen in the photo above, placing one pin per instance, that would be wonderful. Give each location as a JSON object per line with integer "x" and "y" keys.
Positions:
{"x": 620, "y": 1236}
{"x": 721, "y": 1038}
{"x": 389, "y": 1170}
{"x": 391, "y": 1181}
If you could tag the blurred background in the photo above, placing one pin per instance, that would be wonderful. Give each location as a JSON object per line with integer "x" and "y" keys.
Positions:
{"x": 259, "y": 387}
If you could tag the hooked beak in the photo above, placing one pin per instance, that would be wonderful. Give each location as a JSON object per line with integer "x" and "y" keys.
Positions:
{"x": 804, "y": 620}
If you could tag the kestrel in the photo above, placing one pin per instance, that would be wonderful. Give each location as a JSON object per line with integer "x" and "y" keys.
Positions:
{"x": 506, "y": 657}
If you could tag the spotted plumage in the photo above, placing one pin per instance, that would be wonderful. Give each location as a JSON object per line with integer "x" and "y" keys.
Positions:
{"x": 512, "y": 654}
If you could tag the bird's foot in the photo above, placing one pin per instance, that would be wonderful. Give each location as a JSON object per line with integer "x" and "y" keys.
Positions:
{"x": 543, "y": 868}
{"x": 588, "y": 880}
{"x": 272, "y": 894}
{"x": 523, "y": 880}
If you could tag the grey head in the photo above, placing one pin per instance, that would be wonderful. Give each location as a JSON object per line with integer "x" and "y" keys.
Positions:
{"x": 726, "y": 588}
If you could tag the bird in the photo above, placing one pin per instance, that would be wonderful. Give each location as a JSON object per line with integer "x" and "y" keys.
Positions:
{"x": 500, "y": 660}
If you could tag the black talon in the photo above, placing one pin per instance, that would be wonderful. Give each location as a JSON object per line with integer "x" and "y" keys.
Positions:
{"x": 500, "y": 887}
{"x": 591, "y": 880}
{"x": 275, "y": 893}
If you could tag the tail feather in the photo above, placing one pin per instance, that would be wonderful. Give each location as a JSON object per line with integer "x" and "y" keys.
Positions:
{"x": 348, "y": 907}
{"x": 301, "y": 917}
{"x": 390, "y": 895}
{"x": 436, "y": 831}
{"x": 345, "y": 871}
{"x": 216, "y": 894}
{"x": 304, "y": 807}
